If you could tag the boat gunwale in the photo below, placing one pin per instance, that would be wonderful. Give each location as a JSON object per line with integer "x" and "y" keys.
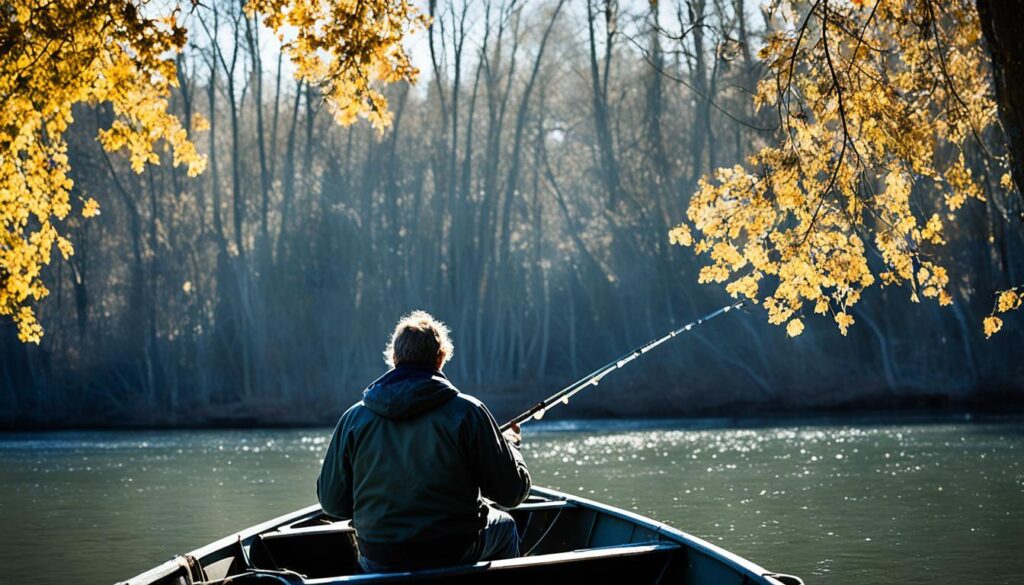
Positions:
{"x": 742, "y": 565}
{"x": 750, "y": 568}
{"x": 172, "y": 565}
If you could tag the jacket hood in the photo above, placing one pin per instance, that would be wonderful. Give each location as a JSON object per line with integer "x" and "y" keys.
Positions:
{"x": 408, "y": 391}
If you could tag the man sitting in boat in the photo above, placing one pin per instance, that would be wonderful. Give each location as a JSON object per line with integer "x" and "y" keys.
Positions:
{"x": 410, "y": 462}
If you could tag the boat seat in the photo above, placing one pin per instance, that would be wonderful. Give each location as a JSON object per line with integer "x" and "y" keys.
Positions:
{"x": 319, "y": 550}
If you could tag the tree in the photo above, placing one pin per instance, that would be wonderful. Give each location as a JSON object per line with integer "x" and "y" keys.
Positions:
{"x": 347, "y": 47}
{"x": 1000, "y": 22}
{"x": 56, "y": 54}
{"x": 156, "y": 319}
{"x": 885, "y": 112}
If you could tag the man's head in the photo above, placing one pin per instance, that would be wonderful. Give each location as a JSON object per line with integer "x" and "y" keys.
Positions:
{"x": 420, "y": 339}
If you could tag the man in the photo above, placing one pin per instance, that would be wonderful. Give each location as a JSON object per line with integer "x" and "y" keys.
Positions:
{"x": 410, "y": 463}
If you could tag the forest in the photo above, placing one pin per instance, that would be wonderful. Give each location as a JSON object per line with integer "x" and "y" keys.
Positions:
{"x": 524, "y": 193}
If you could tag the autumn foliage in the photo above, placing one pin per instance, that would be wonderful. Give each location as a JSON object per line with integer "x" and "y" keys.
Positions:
{"x": 58, "y": 54}
{"x": 878, "y": 105}
{"x": 347, "y": 47}
{"x": 116, "y": 54}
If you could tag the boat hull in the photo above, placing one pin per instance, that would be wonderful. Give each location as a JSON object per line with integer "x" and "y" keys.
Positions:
{"x": 565, "y": 539}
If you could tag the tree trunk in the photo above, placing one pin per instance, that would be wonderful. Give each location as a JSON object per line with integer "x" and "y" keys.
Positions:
{"x": 1000, "y": 22}
{"x": 599, "y": 86}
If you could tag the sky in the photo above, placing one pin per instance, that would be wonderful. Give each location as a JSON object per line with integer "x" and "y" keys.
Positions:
{"x": 416, "y": 44}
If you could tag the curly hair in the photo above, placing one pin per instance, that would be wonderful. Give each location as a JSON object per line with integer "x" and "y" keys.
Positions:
{"x": 421, "y": 339}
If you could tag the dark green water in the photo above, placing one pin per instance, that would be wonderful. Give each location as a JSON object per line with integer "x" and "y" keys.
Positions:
{"x": 837, "y": 504}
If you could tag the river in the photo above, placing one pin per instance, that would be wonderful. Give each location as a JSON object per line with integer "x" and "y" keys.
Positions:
{"x": 838, "y": 503}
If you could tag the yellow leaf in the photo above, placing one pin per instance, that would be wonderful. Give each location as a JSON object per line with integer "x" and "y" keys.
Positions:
{"x": 844, "y": 321}
{"x": 680, "y": 235}
{"x": 992, "y": 325}
{"x": 91, "y": 208}
{"x": 1006, "y": 182}
{"x": 1008, "y": 301}
{"x": 794, "y": 327}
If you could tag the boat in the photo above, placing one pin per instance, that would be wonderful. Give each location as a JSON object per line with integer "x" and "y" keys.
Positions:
{"x": 564, "y": 539}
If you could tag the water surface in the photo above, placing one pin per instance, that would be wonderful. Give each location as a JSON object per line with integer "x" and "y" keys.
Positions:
{"x": 833, "y": 503}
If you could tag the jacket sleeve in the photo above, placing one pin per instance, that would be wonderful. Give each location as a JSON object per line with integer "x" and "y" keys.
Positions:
{"x": 497, "y": 464}
{"x": 334, "y": 486}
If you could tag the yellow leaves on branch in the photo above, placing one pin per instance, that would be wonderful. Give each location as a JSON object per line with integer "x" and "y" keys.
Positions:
{"x": 347, "y": 47}
{"x": 681, "y": 235}
{"x": 872, "y": 97}
{"x": 844, "y": 321}
{"x": 992, "y": 325}
{"x": 59, "y": 53}
{"x": 1006, "y": 301}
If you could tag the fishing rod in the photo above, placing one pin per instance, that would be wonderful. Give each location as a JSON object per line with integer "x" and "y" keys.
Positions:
{"x": 594, "y": 378}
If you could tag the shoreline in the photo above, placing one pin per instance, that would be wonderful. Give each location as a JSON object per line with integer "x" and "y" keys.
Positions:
{"x": 1004, "y": 413}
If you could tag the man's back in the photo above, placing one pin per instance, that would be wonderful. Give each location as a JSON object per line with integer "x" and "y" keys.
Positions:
{"x": 409, "y": 463}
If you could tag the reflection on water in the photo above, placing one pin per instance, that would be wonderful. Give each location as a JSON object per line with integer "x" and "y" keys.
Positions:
{"x": 836, "y": 504}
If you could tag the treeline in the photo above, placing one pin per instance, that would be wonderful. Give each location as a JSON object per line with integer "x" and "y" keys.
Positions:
{"x": 523, "y": 194}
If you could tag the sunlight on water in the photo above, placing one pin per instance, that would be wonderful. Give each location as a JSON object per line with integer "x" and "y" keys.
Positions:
{"x": 861, "y": 505}
{"x": 836, "y": 504}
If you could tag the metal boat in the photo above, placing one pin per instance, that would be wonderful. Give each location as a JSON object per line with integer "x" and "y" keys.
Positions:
{"x": 564, "y": 540}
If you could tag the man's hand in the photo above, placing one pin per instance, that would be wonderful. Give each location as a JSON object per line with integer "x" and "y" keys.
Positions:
{"x": 513, "y": 434}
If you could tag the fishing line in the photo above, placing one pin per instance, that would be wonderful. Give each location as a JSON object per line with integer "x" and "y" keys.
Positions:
{"x": 594, "y": 378}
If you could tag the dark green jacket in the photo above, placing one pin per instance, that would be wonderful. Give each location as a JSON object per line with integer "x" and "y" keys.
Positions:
{"x": 410, "y": 462}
